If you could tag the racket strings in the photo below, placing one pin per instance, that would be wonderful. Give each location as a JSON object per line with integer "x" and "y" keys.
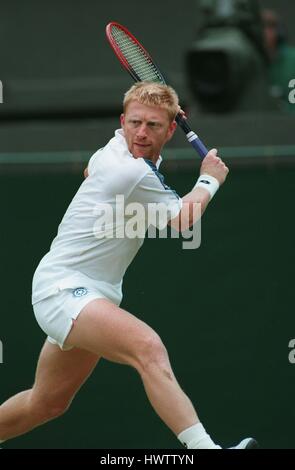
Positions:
{"x": 136, "y": 57}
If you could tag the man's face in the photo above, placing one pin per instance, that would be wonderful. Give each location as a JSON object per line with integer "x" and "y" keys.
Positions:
{"x": 146, "y": 129}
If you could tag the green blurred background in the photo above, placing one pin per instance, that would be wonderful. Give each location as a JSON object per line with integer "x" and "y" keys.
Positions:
{"x": 224, "y": 310}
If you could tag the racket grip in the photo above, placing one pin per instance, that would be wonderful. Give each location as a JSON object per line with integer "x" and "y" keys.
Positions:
{"x": 192, "y": 137}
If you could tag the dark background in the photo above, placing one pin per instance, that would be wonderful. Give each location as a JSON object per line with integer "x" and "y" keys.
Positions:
{"x": 225, "y": 310}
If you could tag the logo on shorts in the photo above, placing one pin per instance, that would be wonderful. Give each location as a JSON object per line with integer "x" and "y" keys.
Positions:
{"x": 80, "y": 291}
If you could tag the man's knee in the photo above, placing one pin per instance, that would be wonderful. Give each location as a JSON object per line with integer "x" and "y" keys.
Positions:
{"x": 151, "y": 352}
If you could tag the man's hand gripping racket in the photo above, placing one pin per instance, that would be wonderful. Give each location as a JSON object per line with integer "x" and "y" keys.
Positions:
{"x": 136, "y": 60}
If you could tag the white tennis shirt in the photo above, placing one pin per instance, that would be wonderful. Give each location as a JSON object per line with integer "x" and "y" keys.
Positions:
{"x": 91, "y": 247}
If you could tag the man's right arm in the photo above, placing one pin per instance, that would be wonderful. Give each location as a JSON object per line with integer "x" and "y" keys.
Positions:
{"x": 212, "y": 165}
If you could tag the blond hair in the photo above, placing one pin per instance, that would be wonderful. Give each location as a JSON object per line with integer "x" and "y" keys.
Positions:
{"x": 153, "y": 94}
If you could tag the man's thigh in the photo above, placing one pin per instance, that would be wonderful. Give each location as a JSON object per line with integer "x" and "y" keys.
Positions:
{"x": 111, "y": 332}
{"x": 61, "y": 373}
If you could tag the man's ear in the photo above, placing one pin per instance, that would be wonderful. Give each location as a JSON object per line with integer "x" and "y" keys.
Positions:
{"x": 122, "y": 119}
{"x": 171, "y": 130}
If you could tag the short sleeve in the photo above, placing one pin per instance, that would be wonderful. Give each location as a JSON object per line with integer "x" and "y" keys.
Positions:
{"x": 92, "y": 162}
{"x": 161, "y": 203}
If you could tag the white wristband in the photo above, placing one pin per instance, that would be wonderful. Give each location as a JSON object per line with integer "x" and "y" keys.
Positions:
{"x": 207, "y": 182}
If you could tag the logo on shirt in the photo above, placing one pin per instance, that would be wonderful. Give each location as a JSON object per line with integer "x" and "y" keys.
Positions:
{"x": 80, "y": 291}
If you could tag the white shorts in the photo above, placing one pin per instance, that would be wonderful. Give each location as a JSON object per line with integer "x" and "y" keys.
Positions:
{"x": 55, "y": 314}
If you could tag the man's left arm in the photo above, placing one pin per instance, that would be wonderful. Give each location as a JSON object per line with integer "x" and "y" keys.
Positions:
{"x": 215, "y": 172}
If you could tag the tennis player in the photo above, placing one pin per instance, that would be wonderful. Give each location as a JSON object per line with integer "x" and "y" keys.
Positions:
{"x": 77, "y": 287}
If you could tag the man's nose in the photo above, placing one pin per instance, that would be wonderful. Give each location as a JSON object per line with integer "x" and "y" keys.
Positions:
{"x": 142, "y": 131}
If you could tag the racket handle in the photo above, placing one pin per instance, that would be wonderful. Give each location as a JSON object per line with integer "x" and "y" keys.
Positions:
{"x": 191, "y": 136}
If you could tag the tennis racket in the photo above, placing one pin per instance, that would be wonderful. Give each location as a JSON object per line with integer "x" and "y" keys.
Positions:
{"x": 137, "y": 61}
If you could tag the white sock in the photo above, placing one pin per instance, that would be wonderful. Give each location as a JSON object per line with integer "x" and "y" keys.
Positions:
{"x": 195, "y": 437}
